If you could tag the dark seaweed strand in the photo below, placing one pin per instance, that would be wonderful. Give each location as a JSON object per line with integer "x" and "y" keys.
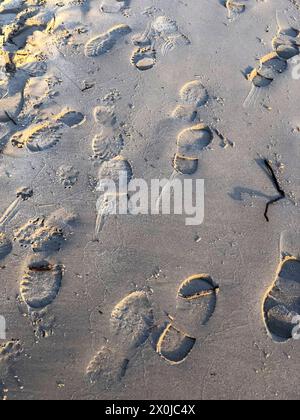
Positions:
{"x": 278, "y": 188}
{"x": 10, "y": 118}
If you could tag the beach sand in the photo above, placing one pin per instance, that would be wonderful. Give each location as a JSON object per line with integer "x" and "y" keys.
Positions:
{"x": 147, "y": 307}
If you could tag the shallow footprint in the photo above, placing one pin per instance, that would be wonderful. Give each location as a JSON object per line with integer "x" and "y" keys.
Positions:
{"x": 282, "y": 303}
{"x": 174, "y": 346}
{"x": 9, "y": 353}
{"x": 107, "y": 144}
{"x": 113, "y": 6}
{"x": 192, "y": 141}
{"x": 105, "y": 42}
{"x": 132, "y": 320}
{"x": 194, "y": 93}
{"x": 235, "y": 9}
{"x": 5, "y": 246}
{"x": 106, "y": 368}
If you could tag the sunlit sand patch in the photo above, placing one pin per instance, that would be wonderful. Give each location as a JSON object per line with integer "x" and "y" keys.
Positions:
{"x": 234, "y": 9}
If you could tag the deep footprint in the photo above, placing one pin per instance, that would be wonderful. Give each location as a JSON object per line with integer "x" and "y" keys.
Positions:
{"x": 282, "y": 304}
{"x": 174, "y": 346}
{"x": 40, "y": 283}
{"x": 196, "y": 303}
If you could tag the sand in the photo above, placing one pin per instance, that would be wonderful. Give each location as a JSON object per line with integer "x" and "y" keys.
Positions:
{"x": 145, "y": 307}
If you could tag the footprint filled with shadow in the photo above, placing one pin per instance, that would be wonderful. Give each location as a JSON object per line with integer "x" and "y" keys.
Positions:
{"x": 196, "y": 304}
{"x": 286, "y": 46}
{"x": 282, "y": 303}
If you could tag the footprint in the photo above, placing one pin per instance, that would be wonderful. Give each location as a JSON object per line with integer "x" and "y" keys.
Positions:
{"x": 131, "y": 323}
{"x": 5, "y": 246}
{"x": 46, "y": 235}
{"x": 162, "y": 32}
{"x": 286, "y": 45}
{"x": 107, "y": 144}
{"x": 191, "y": 143}
{"x": 196, "y": 304}
{"x": 234, "y": 8}
{"x": 45, "y": 135}
{"x": 110, "y": 172}
{"x": 282, "y": 302}
{"x": 40, "y": 283}
{"x": 70, "y": 118}
{"x": 38, "y": 138}
{"x": 174, "y": 346}
{"x": 114, "y": 6}
{"x": 185, "y": 166}
{"x": 105, "y": 42}
{"x": 132, "y": 320}
{"x": 105, "y": 115}
{"x": 194, "y": 94}
{"x": 67, "y": 175}
{"x": 193, "y": 140}
{"x": 9, "y": 353}
{"x": 107, "y": 368}
{"x": 144, "y": 58}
